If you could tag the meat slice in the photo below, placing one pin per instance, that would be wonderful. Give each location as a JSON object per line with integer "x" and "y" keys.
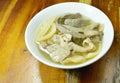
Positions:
{"x": 57, "y": 52}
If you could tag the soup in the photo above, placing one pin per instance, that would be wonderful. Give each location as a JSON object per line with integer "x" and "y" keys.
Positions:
{"x": 70, "y": 38}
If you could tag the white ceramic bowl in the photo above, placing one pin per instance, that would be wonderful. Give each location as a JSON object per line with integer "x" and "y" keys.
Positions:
{"x": 62, "y": 8}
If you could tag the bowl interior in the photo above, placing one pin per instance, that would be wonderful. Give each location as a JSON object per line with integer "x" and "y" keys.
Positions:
{"x": 62, "y": 8}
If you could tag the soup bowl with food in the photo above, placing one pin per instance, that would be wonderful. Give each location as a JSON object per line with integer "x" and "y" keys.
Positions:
{"x": 69, "y": 35}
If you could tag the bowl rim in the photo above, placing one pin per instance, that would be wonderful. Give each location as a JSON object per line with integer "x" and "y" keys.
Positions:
{"x": 65, "y": 66}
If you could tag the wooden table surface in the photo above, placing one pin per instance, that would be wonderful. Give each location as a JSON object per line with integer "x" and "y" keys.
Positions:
{"x": 17, "y": 65}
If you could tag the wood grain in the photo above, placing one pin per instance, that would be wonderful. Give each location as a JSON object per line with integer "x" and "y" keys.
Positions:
{"x": 17, "y": 65}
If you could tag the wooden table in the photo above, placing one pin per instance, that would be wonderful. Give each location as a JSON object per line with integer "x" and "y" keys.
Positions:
{"x": 17, "y": 65}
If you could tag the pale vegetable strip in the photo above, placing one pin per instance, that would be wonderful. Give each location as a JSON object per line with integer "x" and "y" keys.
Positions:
{"x": 74, "y": 59}
{"x": 93, "y": 54}
{"x": 44, "y": 28}
{"x": 49, "y": 34}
